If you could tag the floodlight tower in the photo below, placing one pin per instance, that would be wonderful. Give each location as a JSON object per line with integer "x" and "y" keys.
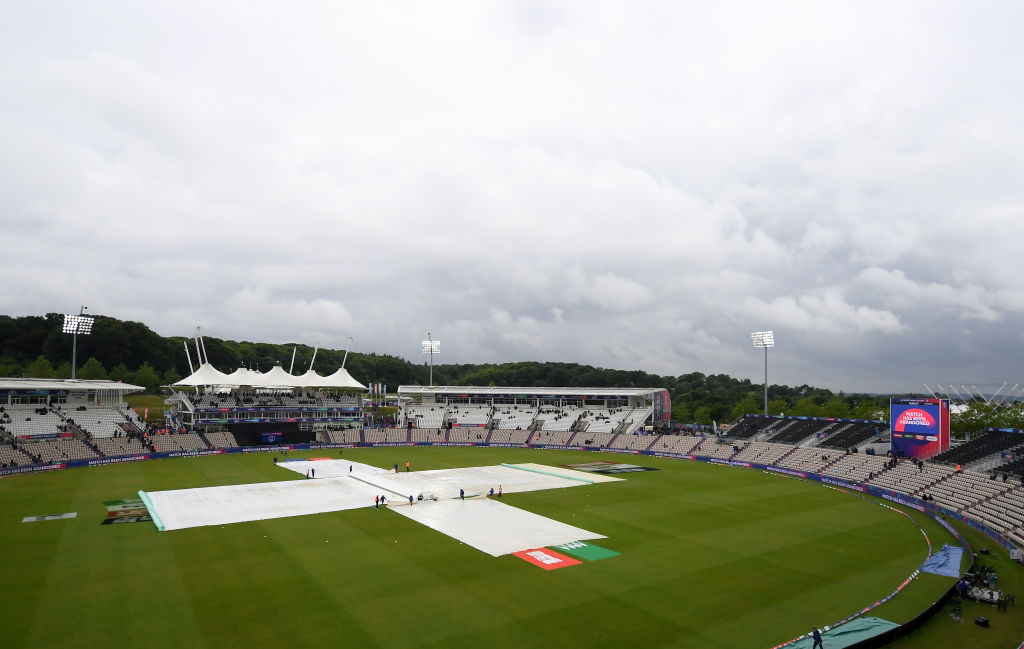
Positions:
{"x": 431, "y": 346}
{"x": 764, "y": 340}
{"x": 77, "y": 324}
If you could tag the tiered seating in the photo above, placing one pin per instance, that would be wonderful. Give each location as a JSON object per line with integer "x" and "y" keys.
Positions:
{"x": 633, "y": 442}
{"x": 514, "y": 417}
{"x": 28, "y": 420}
{"x": 59, "y": 450}
{"x": 553, "y": 437}
{"x": 961, "y": 490}
{"x": 115, "y": 446}
{"x": 1003, "y": 513}
{"x": 851, "y": 435}
{"x": 979, "y": 448}
{"x": 722, "y": 450}
{"x": 762, "y": 452}
{"x": 855, "y": 467}
{"x": 602, "y": 420}
{"x": 907, "y": 478}
{"x": 424, "y": 416}
{"x": 99, "y": 421}
{"x": 345, "y": 436}
{"x": 599, "y": 440}
{"x": 681, "y": 444}
{"x": 560, "y": 419}
{"x": 132, "y": 417}
{"x": 12, "y": 456}
{"x": 178, "y": 442}
{"x": 509, "y": 436}
{"x": 339, "y": 401}
{"x": 462, "y": 435}
{"x": 469, "y": 415}
{"x": 750, "y": 426}
{"x": 385, "y": 435}
{"x": 222, "y": 439}
{"x": 427, "y": 435}
{"x": 1014, "y": 467}
{"x": 797, "y": 430}
{"x": 636, "y": 419}
{"x": 810, "y": 460}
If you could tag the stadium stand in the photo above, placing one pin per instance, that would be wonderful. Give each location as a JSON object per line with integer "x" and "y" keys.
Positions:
{"x": 116, "y": 446}
{"x": 563, "y": 419}
{"x": 33, "y": 420}
{"x": 427, "y": 435}
{"x": 808, "y": 459}
{"x": 99, "y": 421}
{"x": 344, "y": 436}
{"x": 221, "y": 439}
{"x": 509, "y": 436}
{"x": 514, "y": 418}
{"x": 907, "y": 477}
{"x": 632, "y": 442}
{"x": 798, "y": 430}
{"x": 426, "y": 416}
{"x": 762, "y": 452}
{"x": 748, "y": 427}
{"x": 851, "y": 435}
{"x": 856, "y": 467}
{"x": 11, "y": 456}
{"x": 724, "y": 450}
{"x": 681, "y": 444}
{"x": 469, "y": 415}
{"x": 178, "y": 442}
{"x": 58, "y": 450}
{"x": 386, "y": 435}
{"x": 552, "y": 437}
{"x": 978, "y": 449}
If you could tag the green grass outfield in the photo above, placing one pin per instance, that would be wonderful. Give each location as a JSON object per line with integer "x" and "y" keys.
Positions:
{"x": 711, "y": 556}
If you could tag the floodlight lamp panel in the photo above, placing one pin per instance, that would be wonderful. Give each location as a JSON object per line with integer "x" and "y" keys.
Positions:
{"x": 431, "y": 346}
{"x": 764, "y": 339}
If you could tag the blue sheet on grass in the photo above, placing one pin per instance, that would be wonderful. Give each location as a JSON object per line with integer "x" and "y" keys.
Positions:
{"x": 945, "y": 562}
{"x": 848, "y": 634}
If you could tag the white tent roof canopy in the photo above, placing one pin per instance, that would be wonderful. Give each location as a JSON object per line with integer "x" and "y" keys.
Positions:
{"x": 277, "y": 377}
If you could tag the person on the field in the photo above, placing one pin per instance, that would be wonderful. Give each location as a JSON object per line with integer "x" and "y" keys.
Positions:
{"x": 376, "y": 502}
{"x": 492, "y": 492}
{"x": 817, "y": 639}
{"x": 410, "y": 499}
{"x": 462, "y": 494}
{"x": 407, "y": 466}
{"x": 499, "y": 491}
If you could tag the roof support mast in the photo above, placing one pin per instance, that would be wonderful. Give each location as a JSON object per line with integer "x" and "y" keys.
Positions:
{"x": 316, "y": 348}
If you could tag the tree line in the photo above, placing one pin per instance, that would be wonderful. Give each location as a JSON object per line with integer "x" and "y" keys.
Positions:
{"x": 35, "y": 346}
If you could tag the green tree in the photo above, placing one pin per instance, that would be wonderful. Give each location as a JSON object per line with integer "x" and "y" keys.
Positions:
{"x": 40, "y": 368}
{"x": 92, "y": 370}
{"x": 702, "y": 415}
{"x": 120, "y": 372}
{"x": 681, "y": 412}
{"x": 63, "y": 371}
{"x": 147, "y": 377}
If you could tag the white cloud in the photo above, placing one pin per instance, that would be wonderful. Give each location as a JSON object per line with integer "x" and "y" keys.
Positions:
{"x": 594, "y": 182}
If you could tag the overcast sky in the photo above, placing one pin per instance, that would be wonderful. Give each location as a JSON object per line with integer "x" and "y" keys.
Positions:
{"x": 634, "y": 185}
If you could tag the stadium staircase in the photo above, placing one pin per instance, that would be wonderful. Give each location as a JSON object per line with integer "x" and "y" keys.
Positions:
{"x": 205, "y": 441}
{"x": 611, "y": 442}
{"x": 836, "y": 461}
{"x": 490, "y": 432}
{"x": 788, "y": 453}
{"x": 934, "y": 484}
{"x": 656, "y": 439}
